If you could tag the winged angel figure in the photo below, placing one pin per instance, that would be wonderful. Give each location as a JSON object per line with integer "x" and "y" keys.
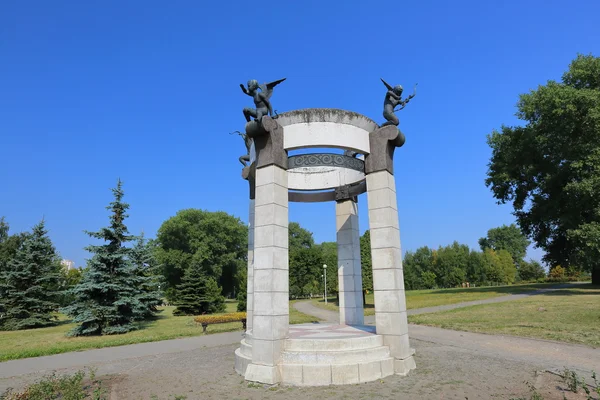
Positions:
{"x": 261, "y": 98}
{"x": 393, "y": 98}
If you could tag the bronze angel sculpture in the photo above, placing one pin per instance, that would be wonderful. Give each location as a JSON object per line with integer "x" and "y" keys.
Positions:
{"x": 393, "y": 98}
{"x": 245, "y": 159}
{"x": 261, "y": 98}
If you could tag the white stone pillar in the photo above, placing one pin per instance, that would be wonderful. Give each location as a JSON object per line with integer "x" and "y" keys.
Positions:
{"x": 271, "y": 269}
{"x": 349, "y": 268}
{"x": 388, "y": 280}
{"x": 250, "y": 283}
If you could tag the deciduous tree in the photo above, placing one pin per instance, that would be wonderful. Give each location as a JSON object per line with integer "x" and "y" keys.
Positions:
{"x": 550, "y": 167}
{"x": 531, "y": 270}
{"x": 509, "y": 238}
{"x": 215, "y": 242}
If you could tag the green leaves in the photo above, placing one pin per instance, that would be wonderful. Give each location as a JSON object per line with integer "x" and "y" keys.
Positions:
{"x": 214, "y": 242}
{"x": 550, "y": 167}
{"x": 509, "y": 238}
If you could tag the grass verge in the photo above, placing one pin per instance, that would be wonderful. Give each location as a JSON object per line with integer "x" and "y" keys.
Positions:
{"x": 567, "y": 315}
{"x": 439, "y": 297}
{"x": 53, "y": 340}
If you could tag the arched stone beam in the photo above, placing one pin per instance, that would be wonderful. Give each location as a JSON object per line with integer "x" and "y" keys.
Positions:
{"x": 326, "y": 127}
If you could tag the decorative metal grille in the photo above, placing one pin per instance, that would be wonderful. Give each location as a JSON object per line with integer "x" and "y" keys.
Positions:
{"x": 326, "y": 160}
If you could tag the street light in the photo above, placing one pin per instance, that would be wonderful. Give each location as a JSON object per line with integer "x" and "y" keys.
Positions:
{"x": 325, "y": 273}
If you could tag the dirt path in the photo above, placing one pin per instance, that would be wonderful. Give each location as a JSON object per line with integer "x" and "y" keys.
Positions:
{"x": 444, "y": 371}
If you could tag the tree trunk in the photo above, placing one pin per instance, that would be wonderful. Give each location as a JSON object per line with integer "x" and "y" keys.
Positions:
{"x": 596, "y": 275}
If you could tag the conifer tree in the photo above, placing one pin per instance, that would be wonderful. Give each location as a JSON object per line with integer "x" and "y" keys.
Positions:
{"x": 108, "y": 300}
{"x": 242, "y": 296}
{"x": 30, "y": 284}
{"x": 146, "y": 268}
{"x": 198, "y": 294}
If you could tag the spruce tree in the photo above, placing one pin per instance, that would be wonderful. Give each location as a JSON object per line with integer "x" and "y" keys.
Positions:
{"x": 108, "y": 300}
{"x": 146, "y": 268}
{"x": 198, "y": 294}
{"x": 30, "y": 284}
{"x": 242, "y": 296}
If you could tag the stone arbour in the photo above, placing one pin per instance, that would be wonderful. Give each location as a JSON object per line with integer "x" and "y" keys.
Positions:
{"x": 268, "y": 264}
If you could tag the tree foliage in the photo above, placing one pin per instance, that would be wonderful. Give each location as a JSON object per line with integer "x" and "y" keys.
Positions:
{"x": 215, "y": 242}
{"x": 9, "y": 244}
{"x": 329, "y": 258}
{"x": 305, "y": 272}
{"x": 29, "y": 284}
{"x": 366, "y": 262}
{"x": 531, "y": 270}
{"x": 147, "y": 270}
{"x": 198, "y": 294}
{"x": 550, "y": 167}
{"x": 110, "y": 297}
{"x": 418, "y": 269}
{"x": 509, "y": 238}
{"x": 453, "y": 265}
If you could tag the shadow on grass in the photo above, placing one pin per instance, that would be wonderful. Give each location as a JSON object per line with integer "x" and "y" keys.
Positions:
{"x": 63, "y": 322}
{"x": 514, "y": 289}
{"x": 587, "y": 289}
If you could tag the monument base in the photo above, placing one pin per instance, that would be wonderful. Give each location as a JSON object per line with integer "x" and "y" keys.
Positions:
{"x": 403, "y": 367}
{"x": 325, "y": 354}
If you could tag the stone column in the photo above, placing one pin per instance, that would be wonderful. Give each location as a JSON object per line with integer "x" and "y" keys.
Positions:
{"x": 388, "y": 280}
{"x": 270, "y": 318}
{"x": 349, "y": 267}
{"x": 250, "y": 280}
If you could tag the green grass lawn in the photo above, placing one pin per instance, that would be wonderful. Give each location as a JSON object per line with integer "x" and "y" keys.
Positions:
{"x": 567, "y": 315}
{"x": 438, "y": 297}
{"x": 47, "y": 341}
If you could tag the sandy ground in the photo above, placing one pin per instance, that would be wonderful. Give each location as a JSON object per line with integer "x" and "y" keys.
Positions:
{"x": 443, "y": 372}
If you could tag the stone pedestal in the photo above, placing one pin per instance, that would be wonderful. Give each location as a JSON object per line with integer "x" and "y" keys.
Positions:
{"x": 349, "y": 267}
{"x": 388, "y": 281}
{"x": 250, "y": 280}
{"x": 271, "y": 286}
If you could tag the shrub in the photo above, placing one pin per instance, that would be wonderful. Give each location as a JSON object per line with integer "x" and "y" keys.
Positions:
{"x": 557, "y": 272}
{"x": 65, "y": 387}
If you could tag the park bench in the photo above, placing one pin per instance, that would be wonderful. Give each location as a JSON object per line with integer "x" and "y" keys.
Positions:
{"x": 211, "y": 319}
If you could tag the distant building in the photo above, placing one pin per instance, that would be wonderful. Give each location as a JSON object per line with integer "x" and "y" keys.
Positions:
{"x": 68, "y": 264}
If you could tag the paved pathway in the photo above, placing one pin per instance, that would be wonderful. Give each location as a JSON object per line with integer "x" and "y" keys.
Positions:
{"x": 331, "y": 316}
{"x": 114, "y": 354}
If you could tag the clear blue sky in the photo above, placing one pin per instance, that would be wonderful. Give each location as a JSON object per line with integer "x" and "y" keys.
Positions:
{"x": 148, "y": 91}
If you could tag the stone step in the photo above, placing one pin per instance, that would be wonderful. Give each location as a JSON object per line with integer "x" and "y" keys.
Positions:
{"x": 241, "y": 361}
{"x": 358, "y": 343}
{"x": 344, "y": 374}
{"x": 245, "y": 348}
{"x": 328, "y": 357}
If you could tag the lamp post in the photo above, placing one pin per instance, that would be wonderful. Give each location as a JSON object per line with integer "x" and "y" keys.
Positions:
{"x": 325, "y": 274}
